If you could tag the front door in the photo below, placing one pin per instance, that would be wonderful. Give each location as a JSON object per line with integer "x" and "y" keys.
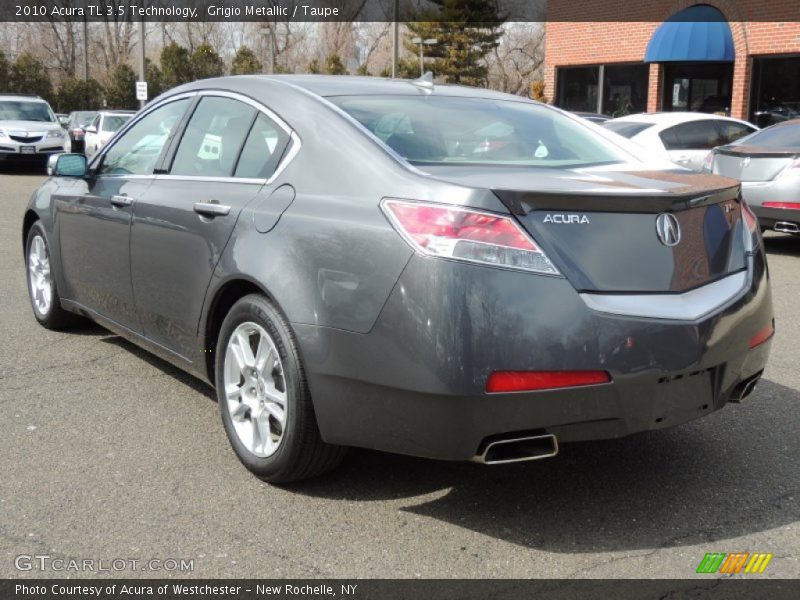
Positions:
{"x": 94, "y": 218}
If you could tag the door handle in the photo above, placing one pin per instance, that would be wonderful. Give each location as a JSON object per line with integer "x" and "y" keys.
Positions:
{"x": 121, "y": 201}
{"x": 210, "y": 209}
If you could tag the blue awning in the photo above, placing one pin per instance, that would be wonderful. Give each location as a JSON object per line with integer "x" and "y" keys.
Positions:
{"x": 699, "y": 33}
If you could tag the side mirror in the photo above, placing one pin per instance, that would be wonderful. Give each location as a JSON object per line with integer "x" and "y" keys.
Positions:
{"x": 66, "y": 165}
{"x": 91, "y": 129}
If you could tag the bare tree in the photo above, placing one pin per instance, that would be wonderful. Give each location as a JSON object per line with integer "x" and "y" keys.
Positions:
{"x": 517, "y": 61}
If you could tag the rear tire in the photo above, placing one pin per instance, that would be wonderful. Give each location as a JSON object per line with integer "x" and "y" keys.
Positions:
{"x": 42, "y": 290}
{"x": 264, "y": 398}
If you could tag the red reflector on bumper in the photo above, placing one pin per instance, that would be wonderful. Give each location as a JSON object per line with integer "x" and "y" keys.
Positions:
{"x": 528, "y": 381}
{"x": 783, "y": 205}
{"x": 762, "y": 336}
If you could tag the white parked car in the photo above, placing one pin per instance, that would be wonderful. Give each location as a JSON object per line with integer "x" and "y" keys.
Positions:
{"x": 685, "y": 138}
{"x": 103, "y": 128}
{"x": 29, "y": 130}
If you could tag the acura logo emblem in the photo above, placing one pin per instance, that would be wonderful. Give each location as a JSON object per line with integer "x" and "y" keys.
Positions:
{"x": 668, "y": 229}
{"x": 745, "y": 161}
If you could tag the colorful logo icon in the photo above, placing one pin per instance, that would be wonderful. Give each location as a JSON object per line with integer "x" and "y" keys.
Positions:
{"x": 736, "y": 562}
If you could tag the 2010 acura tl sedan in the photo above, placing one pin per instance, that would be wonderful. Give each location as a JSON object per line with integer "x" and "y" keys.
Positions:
{"x": 443, "y": 272}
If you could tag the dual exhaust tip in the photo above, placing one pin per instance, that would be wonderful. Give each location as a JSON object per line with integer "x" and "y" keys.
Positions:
{"x": 518, "y": 449}
{"x": 786, "y": 227}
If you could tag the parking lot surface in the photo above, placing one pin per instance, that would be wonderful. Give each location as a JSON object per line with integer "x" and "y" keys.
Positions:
{"x": 109, "y": 453}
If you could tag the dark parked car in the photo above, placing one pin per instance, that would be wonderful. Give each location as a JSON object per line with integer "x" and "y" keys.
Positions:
{"x": 76, "y": 126}
{"x": 768, "y": 165}
{"x": 451, "y": 273}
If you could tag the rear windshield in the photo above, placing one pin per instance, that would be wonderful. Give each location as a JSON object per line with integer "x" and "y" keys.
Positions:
{"x": 784, "y": 135}
{"x": 114, "y": 122}
{"x": 448, "y": 130}
{"x": 626, "y": 129}
{"x": 20, "y": 110}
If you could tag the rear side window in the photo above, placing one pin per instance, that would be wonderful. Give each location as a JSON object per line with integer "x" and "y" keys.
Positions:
{"x": 732, "y": 131}
{"x": 213, "y": 138}
{"x": 694, "y": 135}
{"x": 263, "y": 149}
{"x": 626, "y": 129}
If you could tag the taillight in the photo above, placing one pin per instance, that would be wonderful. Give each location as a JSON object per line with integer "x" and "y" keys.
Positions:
{"x": 791, "y": 169}
{"x": 783, "y": 205}
{"x": 531, "y": 381}
{"x": 466, "y": 234}
{"x": 708, "y": 162}
{"x": 752, "y": 229}
{"x": 764, "y": 334}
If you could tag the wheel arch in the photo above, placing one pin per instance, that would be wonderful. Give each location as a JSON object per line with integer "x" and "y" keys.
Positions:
{"x": 27, "y": 222}
{"x": 228, "y": 294}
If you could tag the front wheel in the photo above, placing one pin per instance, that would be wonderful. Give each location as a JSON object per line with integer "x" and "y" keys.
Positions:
{"x": 264, "y": 398}
{"x": 42, "y": 289}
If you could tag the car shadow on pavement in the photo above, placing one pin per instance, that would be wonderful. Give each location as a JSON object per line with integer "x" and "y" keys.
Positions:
{"x": 731, "y": 474}
{"x": 162, "y": 365}
{"x": 787, "y": 245}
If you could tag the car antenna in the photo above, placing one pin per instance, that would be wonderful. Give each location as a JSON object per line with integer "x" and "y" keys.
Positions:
{"x": 424, "y": 82}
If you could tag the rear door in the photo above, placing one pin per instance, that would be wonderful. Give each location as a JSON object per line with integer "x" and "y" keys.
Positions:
{"x": 222, "y": 161}
{"x": 94, "y": 218}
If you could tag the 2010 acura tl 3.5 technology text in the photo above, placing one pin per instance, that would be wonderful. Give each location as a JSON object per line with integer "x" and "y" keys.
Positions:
{"x": 443, "y": 272}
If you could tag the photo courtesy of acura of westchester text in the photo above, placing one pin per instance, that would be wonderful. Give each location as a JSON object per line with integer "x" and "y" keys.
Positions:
{"x": 344, "y": 297}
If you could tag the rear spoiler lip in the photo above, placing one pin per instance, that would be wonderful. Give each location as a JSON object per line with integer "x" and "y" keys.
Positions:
{"x": 754, "y": 152}
{"x": 522, "y": 203}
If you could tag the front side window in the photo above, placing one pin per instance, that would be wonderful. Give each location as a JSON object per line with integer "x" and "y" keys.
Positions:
{"x": 213, "y": 138}
{"x": 21, "y": 110}
{"x": 139, "y": 148}
{"x": 451, "y": 130}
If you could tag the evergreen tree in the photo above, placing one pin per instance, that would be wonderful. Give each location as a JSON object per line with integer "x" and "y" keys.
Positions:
{"x": 155, "y": 83}
{"x": 176, "y": 69}
{"x": 466, "y": 31}
{"x": 77, "y": 94}
{"x": 205, "y": 63}
{"x": 121, "y": 91}
{"x": 4, "y": 72}
{"x": 245, "y": 62}
{"x": 334, "y": 65}
{"x": 28, "y": 76}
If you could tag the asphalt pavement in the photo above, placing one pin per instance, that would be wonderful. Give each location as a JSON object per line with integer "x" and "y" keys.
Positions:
{"x": 109, "y": 453}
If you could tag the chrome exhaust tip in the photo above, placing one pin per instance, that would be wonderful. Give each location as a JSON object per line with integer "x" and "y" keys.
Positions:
{"x": 518, "y": 449}
{"x": 786, "y": 227}
{"x": 745, "y": 388}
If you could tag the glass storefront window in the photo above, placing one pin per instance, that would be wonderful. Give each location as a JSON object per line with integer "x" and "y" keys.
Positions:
{"x": 775, "y": 90}
{"x": 624, "y": 89}
{"x": 698, "y": 87}
{"x": 577, "y": 89}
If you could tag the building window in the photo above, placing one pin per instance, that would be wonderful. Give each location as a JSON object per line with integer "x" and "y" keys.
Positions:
{"x": 613, "y": 90}
{"x": 775, "y": 90}
{"x": 698, "y": 87}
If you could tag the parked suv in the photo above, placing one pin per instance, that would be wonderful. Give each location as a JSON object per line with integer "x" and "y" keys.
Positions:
{"x": 29, "y": 129}
{"x": 105, "y": 125}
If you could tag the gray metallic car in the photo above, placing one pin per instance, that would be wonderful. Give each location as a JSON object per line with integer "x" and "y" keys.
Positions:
{"x": 439, "y": 271}
{"x": 768, "y": 165}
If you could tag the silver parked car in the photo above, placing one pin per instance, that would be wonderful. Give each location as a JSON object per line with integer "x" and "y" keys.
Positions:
{"x": 768, "y": 165}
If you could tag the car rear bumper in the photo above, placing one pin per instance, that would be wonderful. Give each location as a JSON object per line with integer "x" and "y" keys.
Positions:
{"x": 415, "y": 384}
{"x": 779, "y": 219}
{"x": 756, "y": 193}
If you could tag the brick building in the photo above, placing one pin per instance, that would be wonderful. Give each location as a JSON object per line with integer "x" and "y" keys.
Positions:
{"x": 738, "y": 57}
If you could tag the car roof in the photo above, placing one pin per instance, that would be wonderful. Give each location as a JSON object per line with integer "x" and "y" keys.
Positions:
{"x": 352, "y": 85}
{"x": 110, "y": 112}
{"x": 26, "y": 97}
{"x": 671, "y": 118}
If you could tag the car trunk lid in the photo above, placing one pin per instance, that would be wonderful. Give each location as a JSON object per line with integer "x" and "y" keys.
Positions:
{"x": 600, "y": 226}
{"x": 748, "y": 163}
